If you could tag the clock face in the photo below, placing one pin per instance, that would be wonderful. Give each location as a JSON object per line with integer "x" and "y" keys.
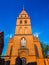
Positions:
{"x": 23, "y": 42}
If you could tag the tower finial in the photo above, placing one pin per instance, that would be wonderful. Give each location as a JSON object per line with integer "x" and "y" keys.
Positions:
{"x": 23, "y": 4}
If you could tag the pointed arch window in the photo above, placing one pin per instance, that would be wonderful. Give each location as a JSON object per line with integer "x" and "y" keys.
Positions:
{"x": 23, "y": 42}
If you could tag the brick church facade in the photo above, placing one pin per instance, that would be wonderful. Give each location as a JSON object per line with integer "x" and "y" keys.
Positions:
{"x": 24, "y": 44}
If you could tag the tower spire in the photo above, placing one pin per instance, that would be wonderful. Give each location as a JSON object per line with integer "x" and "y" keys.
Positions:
{"x": 23, "y": 7}
{"x": 23, "y": 4}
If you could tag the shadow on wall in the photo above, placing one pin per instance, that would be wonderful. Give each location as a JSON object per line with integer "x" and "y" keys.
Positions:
{"x": 33, "y": 63}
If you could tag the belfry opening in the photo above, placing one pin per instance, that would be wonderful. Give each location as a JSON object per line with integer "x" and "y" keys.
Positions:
{"x": 24, "y": 48}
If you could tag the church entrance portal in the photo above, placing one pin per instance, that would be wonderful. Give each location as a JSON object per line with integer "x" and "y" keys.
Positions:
{"x": 20, "y": 61}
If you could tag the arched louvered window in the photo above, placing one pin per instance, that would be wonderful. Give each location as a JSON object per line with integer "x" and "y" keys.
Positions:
{"x": 25, "y": 21}
{"x": 20, "y": 21}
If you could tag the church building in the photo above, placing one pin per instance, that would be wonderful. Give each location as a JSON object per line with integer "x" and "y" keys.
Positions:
{"x": 24, "y": 44}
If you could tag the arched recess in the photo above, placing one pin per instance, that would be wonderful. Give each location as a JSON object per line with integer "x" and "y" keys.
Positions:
{"x": 26, "y": 30}
{"x": 20, "y": 30}
{"x": 36, "y": 50}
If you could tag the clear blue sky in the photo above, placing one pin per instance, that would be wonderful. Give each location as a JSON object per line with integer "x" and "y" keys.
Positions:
{"x": 38, "y": 11}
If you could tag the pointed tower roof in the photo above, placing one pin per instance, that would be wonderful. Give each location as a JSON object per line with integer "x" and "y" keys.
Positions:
{"x": 23, "y": 12}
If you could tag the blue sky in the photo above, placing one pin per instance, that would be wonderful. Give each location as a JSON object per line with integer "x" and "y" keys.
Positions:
{"x": 38, "y": 10}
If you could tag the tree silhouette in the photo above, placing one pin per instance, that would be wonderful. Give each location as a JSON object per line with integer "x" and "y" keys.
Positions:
{"x": 45, "y": 49}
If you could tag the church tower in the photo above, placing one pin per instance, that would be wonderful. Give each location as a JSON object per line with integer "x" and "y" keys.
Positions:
{"x": 23, "y": 25}
{"x": 23, "y": 44}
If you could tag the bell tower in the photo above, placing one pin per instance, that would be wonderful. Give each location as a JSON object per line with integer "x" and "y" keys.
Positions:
{"x": 23, "y": 25}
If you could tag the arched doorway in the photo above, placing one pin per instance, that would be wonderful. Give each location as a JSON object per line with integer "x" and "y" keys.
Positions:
{"x": 23, "y": 61}
{"x": 18, "y": 61}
